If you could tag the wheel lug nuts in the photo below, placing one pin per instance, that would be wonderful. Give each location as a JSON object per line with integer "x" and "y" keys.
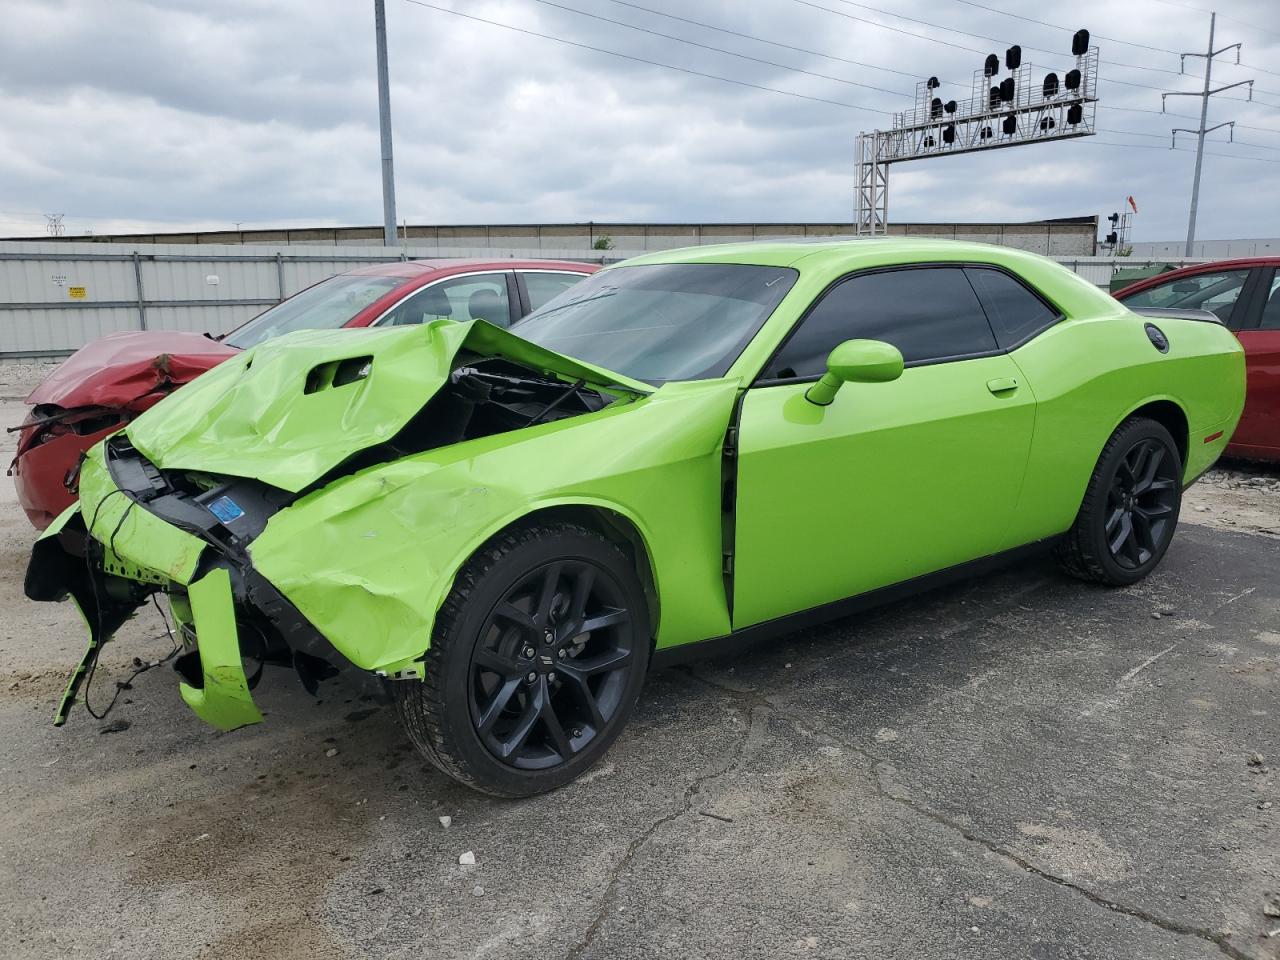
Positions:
{"x": 527, "y": 653}
{"x": 532, "y": 677}
{"x": 551, "y": 676}
{"x": 561, "y": 654}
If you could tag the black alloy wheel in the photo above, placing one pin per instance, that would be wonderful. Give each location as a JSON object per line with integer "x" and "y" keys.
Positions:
{"x": 536, "y": 661}
{"x": 1142, "y": 503}
{"x": 551, "y": 665}
{"x": 1130, "y": 508}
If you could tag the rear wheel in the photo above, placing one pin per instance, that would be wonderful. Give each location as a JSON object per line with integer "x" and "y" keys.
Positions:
{"x": 538, "y": 657}
{"x": 1130, "y": 509}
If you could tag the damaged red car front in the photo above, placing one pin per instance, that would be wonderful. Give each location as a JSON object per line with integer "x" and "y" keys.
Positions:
{"x": 93, "y": 393}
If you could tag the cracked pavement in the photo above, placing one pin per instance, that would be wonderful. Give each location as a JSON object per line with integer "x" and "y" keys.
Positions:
{"x": 1020, "y": 766}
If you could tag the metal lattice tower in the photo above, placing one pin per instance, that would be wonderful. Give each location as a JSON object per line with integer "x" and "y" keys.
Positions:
{"x": 999, "y": 112}
{"x": 1203, "y": 129}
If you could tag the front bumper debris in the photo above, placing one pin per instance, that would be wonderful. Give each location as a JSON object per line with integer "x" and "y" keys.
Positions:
{"x": 223, "y": 609}
{"x": 222, "y": 699}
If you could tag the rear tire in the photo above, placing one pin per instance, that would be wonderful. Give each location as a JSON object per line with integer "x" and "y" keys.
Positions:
{"x": 537, "y": 659}
{"x": 1130, "y": 508}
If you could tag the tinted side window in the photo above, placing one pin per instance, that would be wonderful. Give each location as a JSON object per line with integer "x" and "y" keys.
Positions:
{"x": 1015, "y": 312}
{"x": 542, "y": 287}
{"x": 928, "y": 313}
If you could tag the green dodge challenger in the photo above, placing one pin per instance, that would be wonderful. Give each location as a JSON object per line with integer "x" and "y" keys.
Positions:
{"x": 696, "y": 447}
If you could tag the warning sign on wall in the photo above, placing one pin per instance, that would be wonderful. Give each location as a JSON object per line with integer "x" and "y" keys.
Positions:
{"x": 76, "y": 293}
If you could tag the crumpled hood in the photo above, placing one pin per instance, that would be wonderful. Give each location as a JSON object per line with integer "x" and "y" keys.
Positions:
{"x": 121, "y": 367}
{"x": 293, "y": 408}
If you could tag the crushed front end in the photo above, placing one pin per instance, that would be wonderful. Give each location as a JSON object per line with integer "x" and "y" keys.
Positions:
{"x": 140, "y": 530}
{"x": 305, "y": 504}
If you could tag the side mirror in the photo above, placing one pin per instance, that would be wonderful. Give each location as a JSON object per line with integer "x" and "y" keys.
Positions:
{"x": 856, "y": 361}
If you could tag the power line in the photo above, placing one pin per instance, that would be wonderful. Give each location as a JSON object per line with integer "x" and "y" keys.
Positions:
{"x": 1165, "y": 136}
{"x": 1181, "y": 116}
{"x": 948, "y": 43}
{"x": 1134, "y": 133}
{"x": 730, "y": 53}
{"x": 773, "y": 43}
{"x": 1142, "y": 146}
{"x": 652, "y": 63}
{"x": 885, "y": 26}
{"x": 1058, "y": 26}
{"x": 756, "y": 86}
{"x": 1100, "y": 36}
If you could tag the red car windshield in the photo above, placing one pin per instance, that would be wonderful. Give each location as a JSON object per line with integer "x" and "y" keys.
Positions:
{"x": 326, "y": 306}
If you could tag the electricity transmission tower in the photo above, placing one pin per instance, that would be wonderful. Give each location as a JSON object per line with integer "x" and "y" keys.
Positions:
{"x": 54, "y": 226}
{"x": 1204, "y": 96}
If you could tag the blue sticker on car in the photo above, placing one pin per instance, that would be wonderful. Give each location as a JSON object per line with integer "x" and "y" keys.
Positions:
{"x": 226, "y": 509}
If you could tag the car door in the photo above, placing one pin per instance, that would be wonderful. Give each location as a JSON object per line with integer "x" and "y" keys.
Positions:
{"x": 892, "y": 480}
{"x": 487, "y": 295}
{"x": 1259, "y": 428}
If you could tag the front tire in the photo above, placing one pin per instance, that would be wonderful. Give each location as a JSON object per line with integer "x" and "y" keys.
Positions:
{"x": 536, "y": 661}
{"x": 1130, "y": 508}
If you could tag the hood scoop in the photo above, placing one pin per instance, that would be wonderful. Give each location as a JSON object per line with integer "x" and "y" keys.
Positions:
{"x": 291, "y": 410}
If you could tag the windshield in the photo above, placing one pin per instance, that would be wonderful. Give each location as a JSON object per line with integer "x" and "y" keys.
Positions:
{"x": 326, "y": 306}
{"x": 658, "y": 322}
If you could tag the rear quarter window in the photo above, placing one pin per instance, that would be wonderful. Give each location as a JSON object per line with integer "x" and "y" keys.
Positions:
{"x": 1016, "y": 313}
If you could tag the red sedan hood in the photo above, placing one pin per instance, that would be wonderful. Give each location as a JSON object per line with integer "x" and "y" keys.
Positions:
{"x": 122, "y": 367}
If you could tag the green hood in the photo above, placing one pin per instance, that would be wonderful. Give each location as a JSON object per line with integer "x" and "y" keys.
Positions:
{"x": 290, "y": 410}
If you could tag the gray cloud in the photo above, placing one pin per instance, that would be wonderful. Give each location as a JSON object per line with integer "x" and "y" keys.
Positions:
{"x": 167, "y": 114}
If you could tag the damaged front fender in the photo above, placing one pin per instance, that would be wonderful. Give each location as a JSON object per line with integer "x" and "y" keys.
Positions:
{"x": 370, "y": 557}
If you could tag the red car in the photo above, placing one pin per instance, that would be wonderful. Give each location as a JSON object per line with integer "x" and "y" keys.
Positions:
{"x": 106, "y": 383}
{"x": 1245, "y": 295}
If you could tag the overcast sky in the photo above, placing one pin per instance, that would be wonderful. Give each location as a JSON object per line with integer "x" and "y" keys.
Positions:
{"x": 170, "y": 114}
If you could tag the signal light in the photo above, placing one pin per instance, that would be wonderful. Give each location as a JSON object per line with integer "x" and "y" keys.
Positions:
{"x": 1113, "y": 238}
{"x": 1013, "y": 57}
{"x": 949, "y": 133}
{"x": 929, "y": 142}
{"x": 1006, "y": 89}
{"x": 1080, "y": 43}
{"x": 1114, "y": 218}
{"x": 1048, "y": 123}
{"x": 1072, "y": 80}
{"x": 1075, "y": 113}
{"x": 993, "y": 102}
{"x": 933, "y": 83}
{"x": 935, "y": 109}
{"x": 985, "y": 133}
{"x": 949, "y": 106}
{"x": 1050, "y": 86}
{"x": 992, "y": 66}
{"x": 1010, "y": 124}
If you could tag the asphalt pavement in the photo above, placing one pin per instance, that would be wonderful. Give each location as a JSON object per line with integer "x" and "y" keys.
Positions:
{"x": 1021, "y": 766}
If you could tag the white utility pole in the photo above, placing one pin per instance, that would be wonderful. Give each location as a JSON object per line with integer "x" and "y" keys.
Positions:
{"x": 1204, "y": 117}
{"x": 389, "y": 233}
